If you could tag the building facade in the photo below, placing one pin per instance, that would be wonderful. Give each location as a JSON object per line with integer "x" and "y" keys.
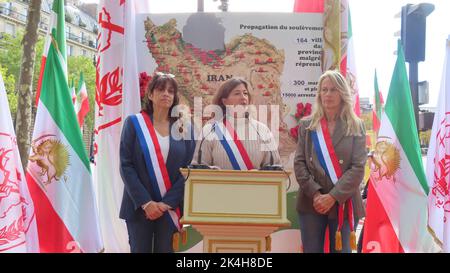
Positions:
{"x": 81, "y": 28}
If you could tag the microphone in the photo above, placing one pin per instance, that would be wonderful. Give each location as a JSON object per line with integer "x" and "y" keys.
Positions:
{"x": 199, "y": 164}
{"x": 270, "y": 166}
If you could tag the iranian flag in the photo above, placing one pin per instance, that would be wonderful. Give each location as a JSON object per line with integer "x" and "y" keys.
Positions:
{"x": 73, "y": 92}
{"x": 18, "y": 231}
{"x": 438, "y": 162}
{"x": 58, "y": 32}
{"x": 397, "y": 213}
{"x": 348, "y": 63}
{"x": 82, "y": 102}
{"x": 58, "y": 173}
{"x": 377, "y": 106}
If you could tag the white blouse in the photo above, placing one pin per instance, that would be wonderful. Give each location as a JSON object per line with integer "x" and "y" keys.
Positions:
{"x": 164, "y": 143}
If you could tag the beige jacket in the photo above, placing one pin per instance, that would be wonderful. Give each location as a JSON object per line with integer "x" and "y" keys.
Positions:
{"x": 311, "y": 177}
{"x": 258, "y": 146}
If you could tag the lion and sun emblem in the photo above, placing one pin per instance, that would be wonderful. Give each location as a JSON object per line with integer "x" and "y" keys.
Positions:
{"x": 385, "y": 160}
{"x": 51, "y": 158}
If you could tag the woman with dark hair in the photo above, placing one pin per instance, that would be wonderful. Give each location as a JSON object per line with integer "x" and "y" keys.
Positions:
{"x": 234, "y": 140}
{"x": 151, "y": 154}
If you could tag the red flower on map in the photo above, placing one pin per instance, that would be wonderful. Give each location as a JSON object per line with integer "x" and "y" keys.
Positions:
{"x": 303, "y": 110}
{"x": 294, "y": 131}
{"x": 144, "y": 79}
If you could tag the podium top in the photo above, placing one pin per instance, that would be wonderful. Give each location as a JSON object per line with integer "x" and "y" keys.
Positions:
{"x": 240, "y": 198}
{"x": 186, "y": 171}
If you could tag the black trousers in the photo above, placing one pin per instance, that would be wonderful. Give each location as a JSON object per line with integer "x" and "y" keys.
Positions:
{"x": 151, "y": 236}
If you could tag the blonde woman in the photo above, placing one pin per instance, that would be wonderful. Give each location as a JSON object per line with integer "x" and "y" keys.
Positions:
{"x": 329, "y": 166}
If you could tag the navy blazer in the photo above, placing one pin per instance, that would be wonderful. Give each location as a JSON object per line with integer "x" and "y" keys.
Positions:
{"x": 138, "y": 190}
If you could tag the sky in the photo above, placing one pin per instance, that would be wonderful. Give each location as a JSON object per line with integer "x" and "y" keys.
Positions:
{"x": 373, "y": 25}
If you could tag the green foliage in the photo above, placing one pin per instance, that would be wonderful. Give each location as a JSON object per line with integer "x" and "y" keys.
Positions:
{"x": 11, "y": 59}
{"x": 69, "y": 18}
{"x": 83, "y": 64}
{"x": 11, "y": 54}
{"x": 11, "y": 51}
{"x": 424, "y": 137}
{"x": 10, "y": 82}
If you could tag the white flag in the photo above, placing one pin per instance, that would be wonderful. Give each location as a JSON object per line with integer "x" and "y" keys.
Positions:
{"x": 108, "y": 123}
{"x": 438, "y": 162}
{"x": 18, "y": 232}
{"x": 117, "y": 96}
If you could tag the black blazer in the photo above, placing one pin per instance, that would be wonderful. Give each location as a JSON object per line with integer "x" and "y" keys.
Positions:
{"x": 138, "y": 190}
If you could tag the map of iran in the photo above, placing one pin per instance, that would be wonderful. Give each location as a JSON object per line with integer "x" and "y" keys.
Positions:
{"x": 200, "y": 71}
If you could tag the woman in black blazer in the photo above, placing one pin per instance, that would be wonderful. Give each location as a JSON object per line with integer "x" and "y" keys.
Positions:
{"x": 153, "y": 148}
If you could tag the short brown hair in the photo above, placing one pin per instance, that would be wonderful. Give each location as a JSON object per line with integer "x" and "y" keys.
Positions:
{"x": 158, "y": 81}
{"x": 225, "y": 90}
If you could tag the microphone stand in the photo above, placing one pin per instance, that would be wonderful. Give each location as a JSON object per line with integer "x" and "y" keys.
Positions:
{"x": 270, "y": 166}
{"x": 199, "y": 165}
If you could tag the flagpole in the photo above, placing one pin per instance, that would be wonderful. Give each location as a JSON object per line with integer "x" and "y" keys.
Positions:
{"x": 200, "y": 5}
{"x": 413, "y": 80}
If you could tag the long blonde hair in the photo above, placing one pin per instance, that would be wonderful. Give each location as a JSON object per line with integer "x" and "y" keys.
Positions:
{"x": 347, "y": 114}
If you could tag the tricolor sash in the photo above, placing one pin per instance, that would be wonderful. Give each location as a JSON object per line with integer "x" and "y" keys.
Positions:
{"x": 157, "y": 170}
{"x": 233, "y": 146}
{"x": 326, "y": 154}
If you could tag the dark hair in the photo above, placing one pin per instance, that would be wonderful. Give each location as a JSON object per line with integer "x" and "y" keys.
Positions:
{"x": 160, "y": 80}
{"x": 225, "y": 90}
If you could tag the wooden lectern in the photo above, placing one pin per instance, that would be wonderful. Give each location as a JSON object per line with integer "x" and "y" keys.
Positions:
{"x": 235, "y": 211}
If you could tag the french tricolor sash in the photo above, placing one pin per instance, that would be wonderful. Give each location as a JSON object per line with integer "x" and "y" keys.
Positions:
{"x": 157, "y": 171}
{"x": 233, "y": 146}
{"x": 326, "y": 154}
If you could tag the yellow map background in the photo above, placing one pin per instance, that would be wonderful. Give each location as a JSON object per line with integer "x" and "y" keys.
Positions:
{"x": 246, "y": 56}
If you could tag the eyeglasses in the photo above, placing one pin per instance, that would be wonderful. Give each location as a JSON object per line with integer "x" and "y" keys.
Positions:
{"x": 332, "y": 90}
{"x": 161, "y": 74}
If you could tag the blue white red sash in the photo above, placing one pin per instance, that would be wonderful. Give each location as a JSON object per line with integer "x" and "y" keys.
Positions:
{"x": 157, "y": 170}
{"x": 234, "y": 148}
{"x": 325, "y": 151}
{"x": 326, "y": 154}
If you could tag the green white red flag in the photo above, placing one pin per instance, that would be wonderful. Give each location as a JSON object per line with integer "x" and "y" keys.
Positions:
{"x": 348, "y": 63}
{"x": 397, "y": 212}
{"x": 377, "y": 105}
{"x": 82, "y": 101}
{"x": 58, "y": 171}
{"x": 58, "y": 31}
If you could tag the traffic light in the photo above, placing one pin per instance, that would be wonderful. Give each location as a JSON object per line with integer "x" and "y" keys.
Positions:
{"x": 413, "y": 30}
